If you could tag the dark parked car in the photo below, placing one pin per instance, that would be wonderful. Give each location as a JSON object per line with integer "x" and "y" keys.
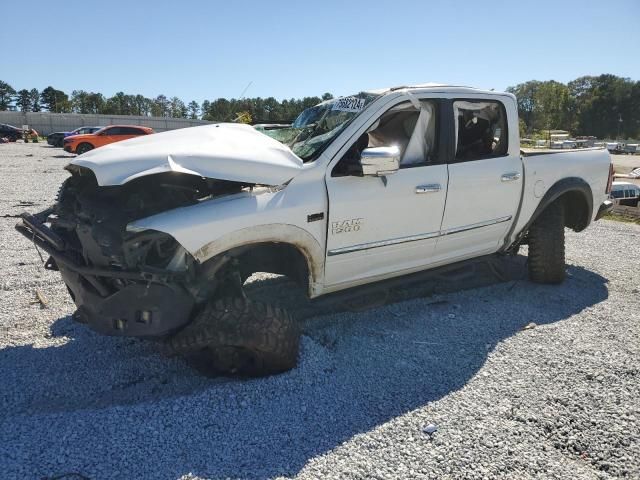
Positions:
{"x": 57, "y": 138}
{"x": 10, "y": 132}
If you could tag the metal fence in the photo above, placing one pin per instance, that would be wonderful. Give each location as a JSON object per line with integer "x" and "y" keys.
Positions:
{"x": 46, "y": 123}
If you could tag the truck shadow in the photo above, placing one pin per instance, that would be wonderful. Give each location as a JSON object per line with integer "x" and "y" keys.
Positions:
{"x": 358, "y": 370}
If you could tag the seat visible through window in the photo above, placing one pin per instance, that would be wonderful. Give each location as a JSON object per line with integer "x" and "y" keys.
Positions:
{"x": 480, "y": 129}
{"x": 409, "y": 128}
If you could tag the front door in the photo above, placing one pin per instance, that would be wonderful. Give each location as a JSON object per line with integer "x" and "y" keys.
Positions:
{"x": 380, "y": 227}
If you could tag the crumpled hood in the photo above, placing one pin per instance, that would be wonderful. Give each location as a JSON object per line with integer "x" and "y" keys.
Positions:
{"x": 224, "y": 151}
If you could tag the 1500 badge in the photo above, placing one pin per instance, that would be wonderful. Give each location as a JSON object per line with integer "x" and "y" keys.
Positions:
{"x": 346, "y": 226}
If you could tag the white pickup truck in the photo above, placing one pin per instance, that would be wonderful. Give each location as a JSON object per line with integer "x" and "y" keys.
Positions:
{"x": 155, "y": 236}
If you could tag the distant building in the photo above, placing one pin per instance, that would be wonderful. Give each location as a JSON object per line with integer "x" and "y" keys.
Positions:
{"x": 558, "y": 135}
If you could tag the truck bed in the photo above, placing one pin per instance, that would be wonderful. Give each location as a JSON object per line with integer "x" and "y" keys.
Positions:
{"x": 544, "y": 167}
{"x": 532, "y": 152}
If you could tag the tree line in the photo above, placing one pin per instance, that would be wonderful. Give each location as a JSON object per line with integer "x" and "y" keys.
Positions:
{"x": 606, "y": 106}
{"x": 221, "y": 109}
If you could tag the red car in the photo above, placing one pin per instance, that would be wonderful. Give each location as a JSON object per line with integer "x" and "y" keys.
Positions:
{"x": 113, "y": 133}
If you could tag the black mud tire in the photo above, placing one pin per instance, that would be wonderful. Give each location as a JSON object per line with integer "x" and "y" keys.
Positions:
{"x": 546, "y": 246}
{"x": 237, "y": 336}
{"x": 83, "y": 148}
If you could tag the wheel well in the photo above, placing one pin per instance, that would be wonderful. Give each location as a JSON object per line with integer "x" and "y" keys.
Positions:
{"x": 574, "y": 194}
{"x": 576, "y": 212}
{"x": 272, "y": 257}
{"x": 238, "y": 264}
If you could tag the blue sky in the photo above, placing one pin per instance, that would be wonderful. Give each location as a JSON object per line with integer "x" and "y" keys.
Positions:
{"x": 209, "y": 49}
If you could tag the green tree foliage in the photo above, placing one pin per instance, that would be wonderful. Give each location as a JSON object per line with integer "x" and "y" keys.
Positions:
{"x": 87, "y": 102}
{"x": 121, "y": 104}
{"x": 79, "y": 101}
{"x": 160, "y": 106}
{"x": 206, "y": 105}
{"x": 194, "y": 109}
{"x": 177, "y": 108}
{"x": 23, "y": 100}
{"x": 6, "y": 95}
{"x": 35, "y": 100}
{"x": 605, "y": 106}
{"x": 55, "y": 100}
{"x": 261, "y": 109}
{"x": 222, "y": 110}
{"x": 544, "y": 105}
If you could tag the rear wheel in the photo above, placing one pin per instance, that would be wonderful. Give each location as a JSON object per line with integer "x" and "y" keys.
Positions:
{"x": 546, "y": 246}
{"x": 240, "y": 337}
{"x": 83, "y": 147}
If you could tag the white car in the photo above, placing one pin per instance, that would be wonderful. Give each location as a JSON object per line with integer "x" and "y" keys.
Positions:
{"x": 625, "y": 193}
{"x": 155, "y": 236}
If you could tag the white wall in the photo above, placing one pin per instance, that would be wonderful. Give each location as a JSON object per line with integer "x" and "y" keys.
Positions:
{"x": 46, "y": 123}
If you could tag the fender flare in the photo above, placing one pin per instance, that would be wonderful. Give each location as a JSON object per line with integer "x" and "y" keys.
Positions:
{"x": 561, "y": 187}
{"x": 292, "y": 235}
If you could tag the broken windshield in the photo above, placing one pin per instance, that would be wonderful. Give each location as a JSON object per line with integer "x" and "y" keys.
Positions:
{"x": 317, "y": 126}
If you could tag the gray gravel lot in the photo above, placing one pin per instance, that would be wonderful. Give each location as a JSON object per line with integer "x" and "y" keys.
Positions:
{"x": 561, "y": 400}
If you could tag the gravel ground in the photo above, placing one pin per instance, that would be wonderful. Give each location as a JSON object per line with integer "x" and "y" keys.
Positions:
{"x": 560, "y": 400}
{"x": 623, "y": 164}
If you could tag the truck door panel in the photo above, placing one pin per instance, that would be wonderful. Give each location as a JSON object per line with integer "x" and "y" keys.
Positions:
{"x": 376, "y": 227}
{"x": 485, "y": 182}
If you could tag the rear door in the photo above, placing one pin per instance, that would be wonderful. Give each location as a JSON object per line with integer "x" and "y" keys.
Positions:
{"x": 485, "y": 178}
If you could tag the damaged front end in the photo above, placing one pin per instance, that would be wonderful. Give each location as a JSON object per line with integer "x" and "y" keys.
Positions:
{"x": 140, "y": 284}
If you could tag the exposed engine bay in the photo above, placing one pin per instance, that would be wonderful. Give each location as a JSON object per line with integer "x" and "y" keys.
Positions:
{"x": 93, "y": 219}
{"x": 127, "y": 283}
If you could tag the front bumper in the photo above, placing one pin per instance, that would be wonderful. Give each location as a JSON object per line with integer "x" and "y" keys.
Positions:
{"x": 149, "y": 304}
{"x": 605, "y": 208}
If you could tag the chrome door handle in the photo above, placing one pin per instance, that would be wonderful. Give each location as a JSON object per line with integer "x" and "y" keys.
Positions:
{"x": 428, "y": 188}
{"x": 510, "y": 177}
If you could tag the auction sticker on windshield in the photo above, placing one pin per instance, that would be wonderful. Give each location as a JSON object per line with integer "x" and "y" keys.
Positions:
{"x": 349, "y": 104}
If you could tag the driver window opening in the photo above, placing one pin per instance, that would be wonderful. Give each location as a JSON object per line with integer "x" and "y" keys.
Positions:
{"x": 405, "y": 126}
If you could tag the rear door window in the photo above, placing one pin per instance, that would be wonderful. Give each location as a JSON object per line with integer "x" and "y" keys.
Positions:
{"x": 132, "y": 131}
{"x": 480, "y": 129}
{"x": 113, "y": 131}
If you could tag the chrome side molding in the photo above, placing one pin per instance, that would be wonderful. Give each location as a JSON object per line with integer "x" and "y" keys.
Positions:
{"x": 473, "y": 226}
{"x": 383, "y": 243}
{"x": 415, "y": 238}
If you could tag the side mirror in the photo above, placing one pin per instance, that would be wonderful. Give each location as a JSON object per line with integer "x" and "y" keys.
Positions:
{"x": 380, "y": 161}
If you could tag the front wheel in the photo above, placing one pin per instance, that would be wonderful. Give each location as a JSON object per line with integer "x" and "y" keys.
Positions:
{"x": 83, "y": 148}
{"x": 546, "y": 246}
{"x": 240, "y": 337}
